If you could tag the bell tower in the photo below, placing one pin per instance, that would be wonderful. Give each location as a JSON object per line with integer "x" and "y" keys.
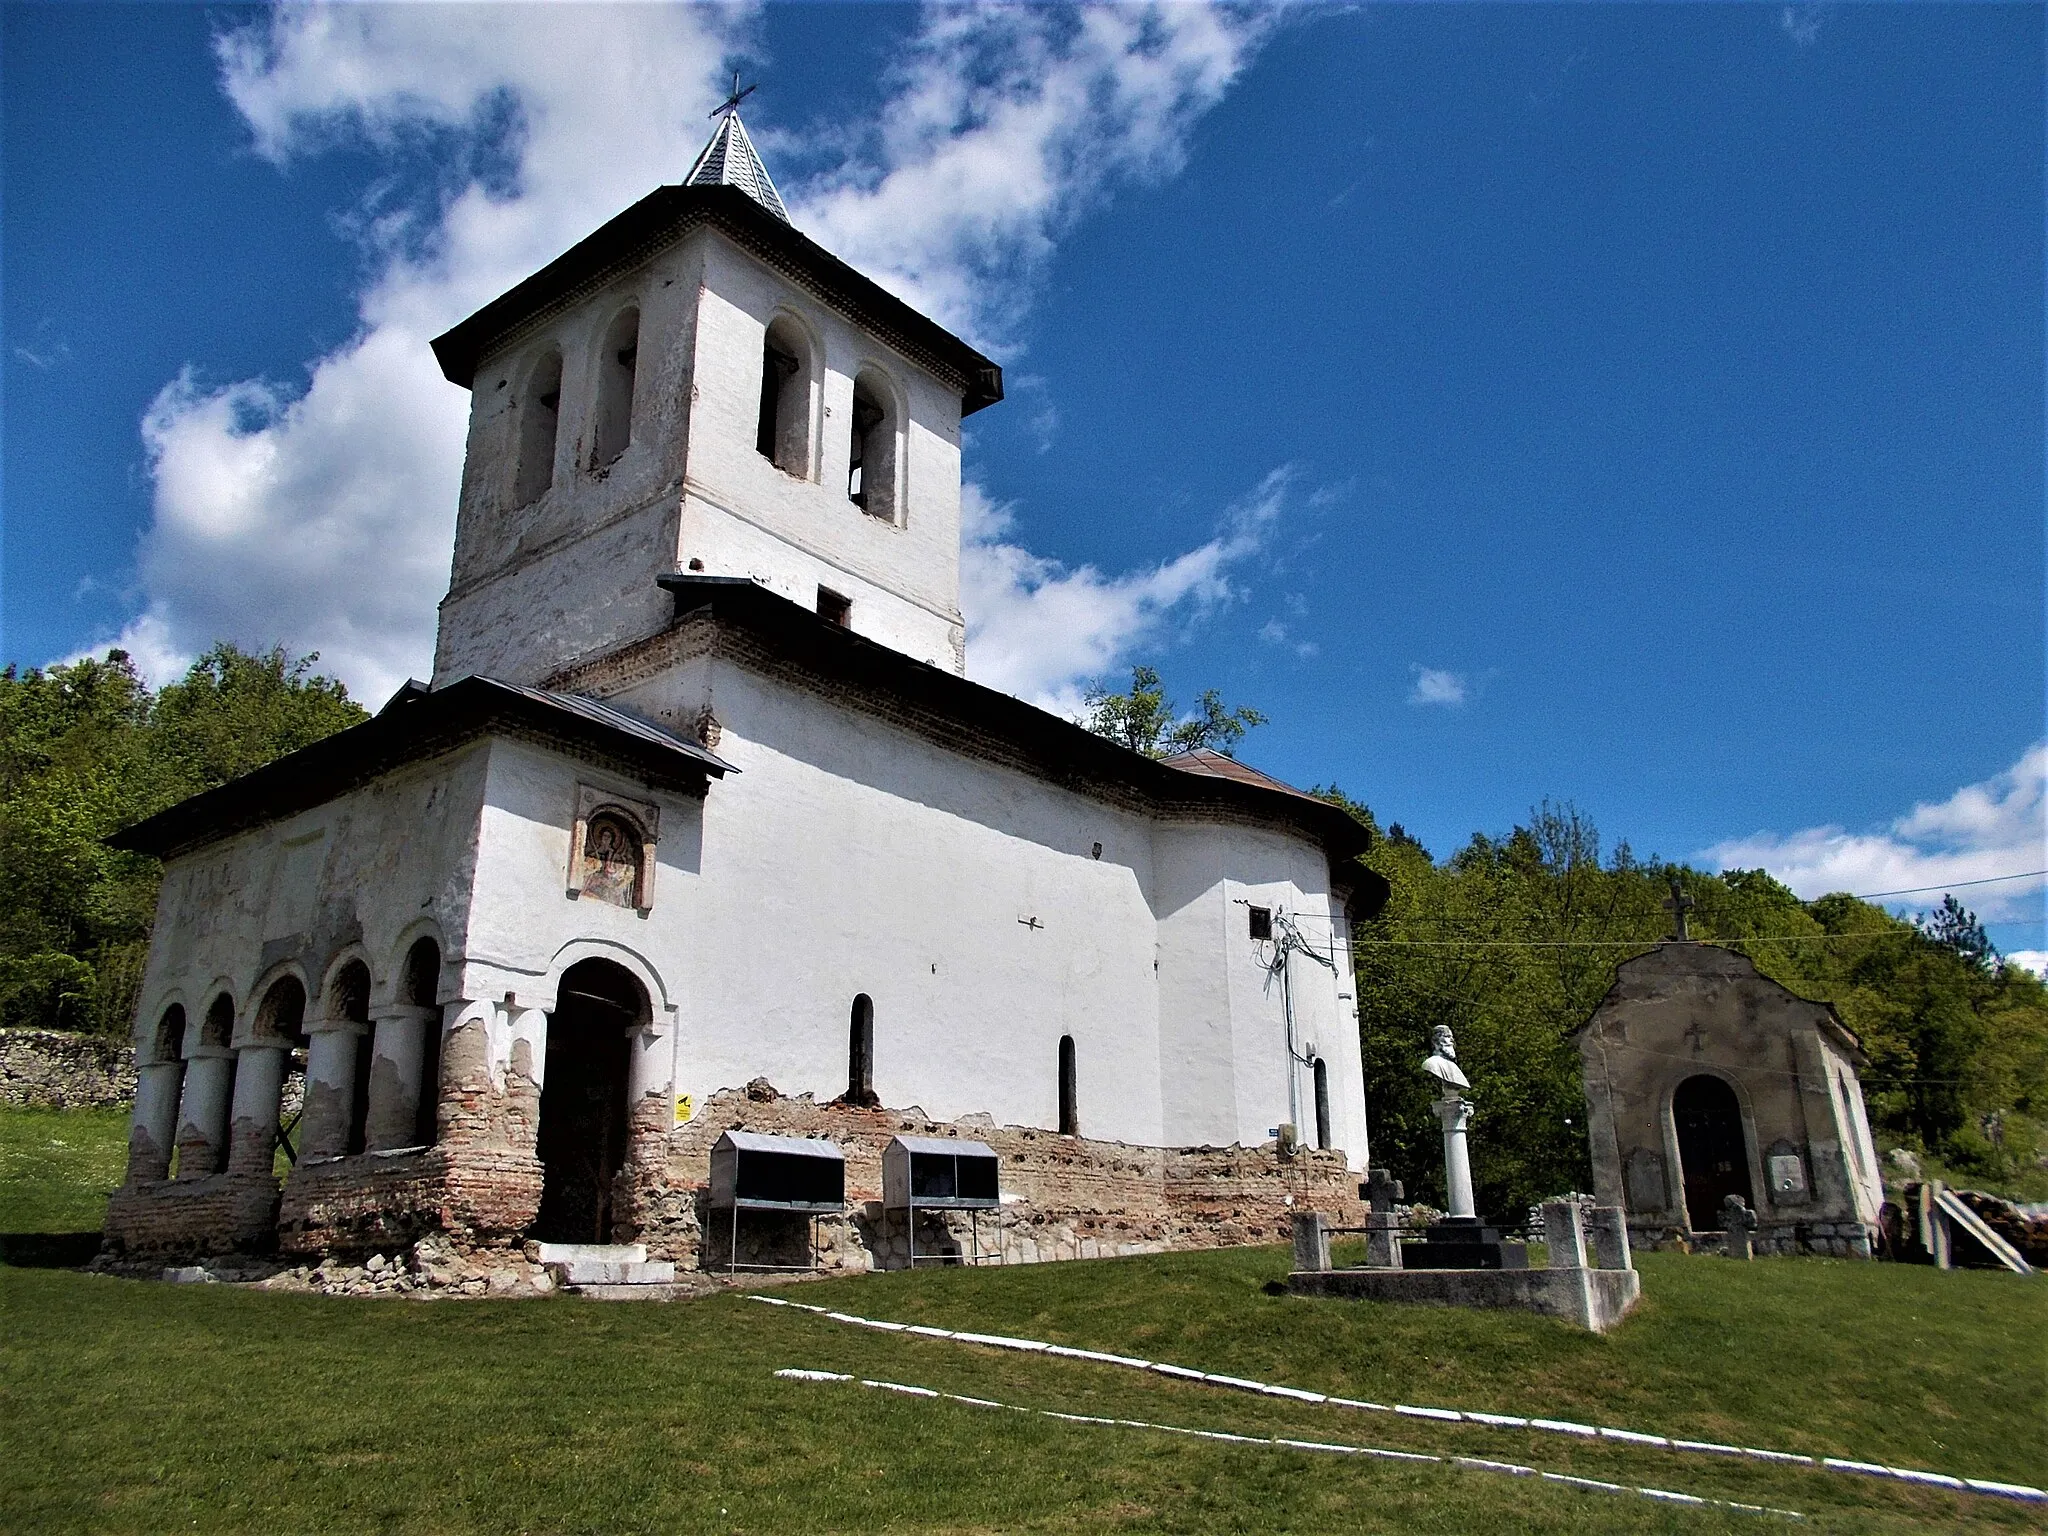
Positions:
{"x": 699, "y": 387}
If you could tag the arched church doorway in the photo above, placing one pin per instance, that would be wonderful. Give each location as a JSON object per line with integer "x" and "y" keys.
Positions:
{"x": 582, "y": 1138}
{"x": 1711, "y": 1153}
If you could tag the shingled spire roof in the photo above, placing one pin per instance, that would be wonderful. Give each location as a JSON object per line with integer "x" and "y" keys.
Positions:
{"x": 730, "y": 160}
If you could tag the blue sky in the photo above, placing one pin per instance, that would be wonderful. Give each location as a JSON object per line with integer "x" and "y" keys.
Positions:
{"x": 1640, "y": 405}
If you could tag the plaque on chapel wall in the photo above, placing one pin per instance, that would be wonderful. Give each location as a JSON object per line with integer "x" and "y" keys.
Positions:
{"x": 1646, "y": 1182}
{"x": 1788, "y": 1175}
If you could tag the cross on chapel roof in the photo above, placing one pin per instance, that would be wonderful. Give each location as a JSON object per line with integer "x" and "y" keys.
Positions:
{"x": 1678, "y": 904}
{"x": 730, "y": 159}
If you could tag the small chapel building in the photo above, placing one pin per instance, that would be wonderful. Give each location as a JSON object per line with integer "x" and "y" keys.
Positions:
{"x": 700, "y": 826}
{"x": 1706, "y": 1079}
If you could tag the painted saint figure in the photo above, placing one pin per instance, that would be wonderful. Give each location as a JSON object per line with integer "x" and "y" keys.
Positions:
{"x": 611, "y": 862}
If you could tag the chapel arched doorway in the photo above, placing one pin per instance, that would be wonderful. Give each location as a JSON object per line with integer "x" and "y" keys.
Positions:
{"x": 1712, "y": 1155}
{"x": 582, "y": 1136}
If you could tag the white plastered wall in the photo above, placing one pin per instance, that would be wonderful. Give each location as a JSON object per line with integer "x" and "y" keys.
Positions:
{"x": 1223, "y": 1057}
{"x": 534, "y": 586}
{"x": 572, "y": 574}
{"x": 742, "y": 516}
{"x": 848, "y": 856}
{"x": 368, "y": 868}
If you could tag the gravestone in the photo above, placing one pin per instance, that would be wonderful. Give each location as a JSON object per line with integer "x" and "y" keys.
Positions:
{"x": 1738, "y": 1221}
{"x": 1563, "y": 1235}
{"x": 1608, "y": 1230}
{"x": 1383, "y": 1227}
{"x": 1311, "y": 1241}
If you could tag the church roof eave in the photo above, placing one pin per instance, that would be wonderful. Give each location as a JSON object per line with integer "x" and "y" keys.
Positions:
{"x": 420, "y": 723}
{"x": 1056, "y": 748}
{"x": 664, "y": 216}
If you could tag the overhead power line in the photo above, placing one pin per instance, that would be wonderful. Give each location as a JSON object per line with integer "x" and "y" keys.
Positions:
{"x": 1953, "y": 885}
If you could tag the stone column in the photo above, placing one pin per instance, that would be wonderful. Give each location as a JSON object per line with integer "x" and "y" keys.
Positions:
{"x": 1455, "y": 1114}
{"x": 396, "y": 1059}
{"x": 330, "y": 1087}
{"x": 259, "y": 1089}
{"x": 203, "y": 1111}
{"x": 154, "y": 1129}
{"x": 525, "y": 1072}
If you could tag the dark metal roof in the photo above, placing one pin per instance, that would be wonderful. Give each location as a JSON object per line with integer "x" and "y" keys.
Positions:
{"x": 1056, "y": 749}
{"x": 1220, "y": 765}
{"x": 664, "y": 216}
{"x": 418, "y": 723}
{"x": 730, "y": 160}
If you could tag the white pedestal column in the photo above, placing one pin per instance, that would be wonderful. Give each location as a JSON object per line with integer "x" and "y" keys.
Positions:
{"x": 203, "y": 1111}
{"x": 153, "y": 1132}
{"x": 396, "y": 1059}
{"x": 330, "y": 1087}
{"x": 259, "y": 1090}
{"x": 1455, "y": 1114}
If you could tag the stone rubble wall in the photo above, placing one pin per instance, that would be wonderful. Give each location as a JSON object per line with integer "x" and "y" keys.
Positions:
{"x": 48, "y": 1069}
{"x": 1064, "y": 1197}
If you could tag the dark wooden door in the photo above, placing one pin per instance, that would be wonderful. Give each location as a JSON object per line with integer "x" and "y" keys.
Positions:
{"x": 582, "y": 1139}
{"x": 1711, "y": 1151}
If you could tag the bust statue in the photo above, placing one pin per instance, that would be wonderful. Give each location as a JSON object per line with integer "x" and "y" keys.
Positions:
{"x": 1443, "y": 1059}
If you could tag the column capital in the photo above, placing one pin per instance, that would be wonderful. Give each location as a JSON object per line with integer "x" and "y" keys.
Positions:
{"x": 337, "y": 1027}
{"x": 410, "y": 1013}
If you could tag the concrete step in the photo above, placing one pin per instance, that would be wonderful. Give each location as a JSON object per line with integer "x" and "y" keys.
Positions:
{"x": 603, "y": 1253}
{"x": 634, "y": 1292}
{"x": 583, "y": 1272}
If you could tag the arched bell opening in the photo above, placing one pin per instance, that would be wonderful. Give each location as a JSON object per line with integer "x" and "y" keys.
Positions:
{"x": 583, "y": 1102}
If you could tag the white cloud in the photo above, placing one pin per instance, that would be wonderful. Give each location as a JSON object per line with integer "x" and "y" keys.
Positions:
{"x": 1041, "y": 630}
{"x": 1273, "y": 632}
{"x": 321, "y": 515}
{"x": 1802, "y": 23}
{"x": 1996, "y": 827}
{"x": 2035, "y": 960}
{"x": 1434, "y": 685}
{"x": 1005, "y": 123}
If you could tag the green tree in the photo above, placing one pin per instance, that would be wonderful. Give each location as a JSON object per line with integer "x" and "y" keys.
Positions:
{"x": 1146, "y": 721}
{"x": 86, "y": 749}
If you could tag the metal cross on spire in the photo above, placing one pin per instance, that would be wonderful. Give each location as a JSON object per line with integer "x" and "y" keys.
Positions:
{"x": 731, "y": 104}
{"x": 1678, "y": 904}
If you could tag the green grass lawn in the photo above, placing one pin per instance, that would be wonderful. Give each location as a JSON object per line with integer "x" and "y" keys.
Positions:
{"x": 136, "y": 1407}
{"x": 57, "y": 1166}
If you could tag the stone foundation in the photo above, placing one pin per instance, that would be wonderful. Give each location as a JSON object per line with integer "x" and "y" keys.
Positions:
{"x": 1842, "y": 1240}
{"x": 174, "y": 1218}
{"x": 1063, "y": 1197}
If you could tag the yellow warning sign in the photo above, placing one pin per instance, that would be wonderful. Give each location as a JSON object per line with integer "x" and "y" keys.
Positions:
{"x": 685, "y": 1108}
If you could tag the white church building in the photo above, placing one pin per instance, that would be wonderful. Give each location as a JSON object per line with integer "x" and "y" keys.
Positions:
{"x": 701, "y": 826}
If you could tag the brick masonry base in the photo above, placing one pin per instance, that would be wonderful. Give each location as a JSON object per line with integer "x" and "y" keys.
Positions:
{"x": 1064, "y": 1197}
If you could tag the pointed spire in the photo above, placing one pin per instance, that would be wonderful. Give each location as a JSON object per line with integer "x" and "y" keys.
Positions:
{"x": 730, "y": 159}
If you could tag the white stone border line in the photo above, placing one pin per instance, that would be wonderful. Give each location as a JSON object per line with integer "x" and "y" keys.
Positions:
{"x": 2021, "y": 1492}
{"x": 1320, "y": 1447}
